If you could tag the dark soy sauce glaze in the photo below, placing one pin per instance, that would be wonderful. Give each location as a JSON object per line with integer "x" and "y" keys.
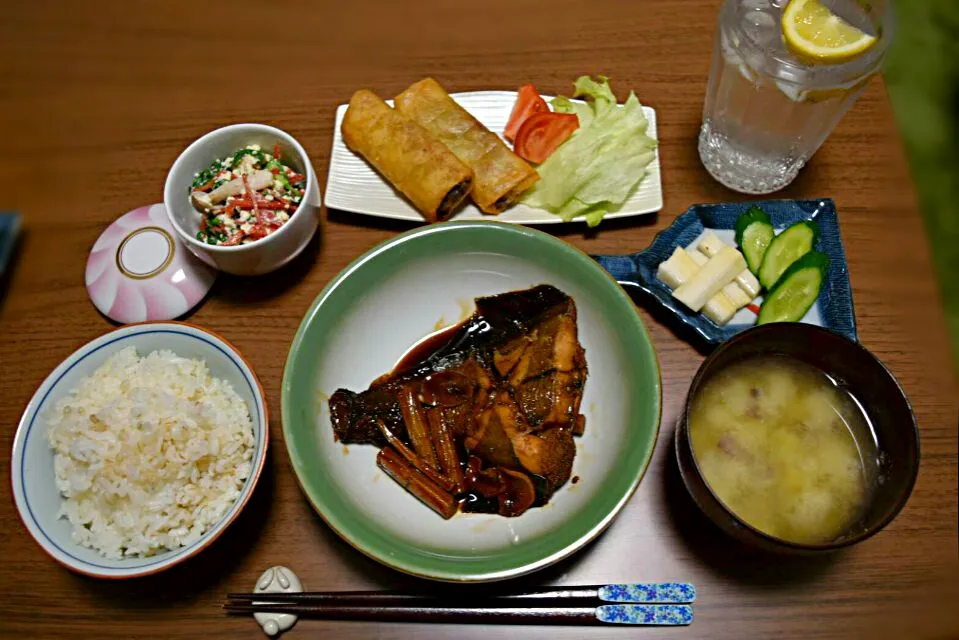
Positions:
{"x": 423, "y": 350}
{"x": 434, "y": 365}
{"x": 448, "y": 339}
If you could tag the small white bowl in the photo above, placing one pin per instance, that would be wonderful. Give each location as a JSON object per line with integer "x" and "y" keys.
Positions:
{"x": 34, "y": 486}
{"x": 266, "y": 254}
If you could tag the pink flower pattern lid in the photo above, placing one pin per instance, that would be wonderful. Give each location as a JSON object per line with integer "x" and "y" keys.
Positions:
{"x": 139, "y": 272}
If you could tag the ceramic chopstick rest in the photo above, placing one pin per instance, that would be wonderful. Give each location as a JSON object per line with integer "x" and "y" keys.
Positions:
{"x": 277, "y": 580}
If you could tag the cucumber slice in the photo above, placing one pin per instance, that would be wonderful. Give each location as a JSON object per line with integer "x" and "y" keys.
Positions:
{"x": 754, "y": 232}
{"x": 796, "y": 290}
{"x": 790, "y": 245}
{"x": 754, "y": 214}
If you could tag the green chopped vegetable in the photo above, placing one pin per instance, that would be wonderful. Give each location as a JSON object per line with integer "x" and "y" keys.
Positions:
{"x": 796, "y": 291}
{"x": 248, "y": 210}
{"x": 247, "y": 151}
{"x": 283, "y": 180}
{"x": 754, "y": 232}
{"x": 790, "y": 245}
{"x": 598, "y": 168}
{"x": 203, "y": 177}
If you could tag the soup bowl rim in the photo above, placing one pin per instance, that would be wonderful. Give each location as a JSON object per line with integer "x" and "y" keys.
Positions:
{"x": 706, "y": 369}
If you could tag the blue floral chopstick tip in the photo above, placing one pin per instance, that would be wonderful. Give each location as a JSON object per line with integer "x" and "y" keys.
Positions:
{"x": 649, "y": 593}
{"x": 668, "y": 615}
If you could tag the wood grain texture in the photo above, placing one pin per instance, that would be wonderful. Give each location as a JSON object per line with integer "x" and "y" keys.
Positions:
{"x": 97, "y": 100}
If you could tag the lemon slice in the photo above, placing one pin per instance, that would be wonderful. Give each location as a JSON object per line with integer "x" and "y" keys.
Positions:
{"x": 814, "y": 32}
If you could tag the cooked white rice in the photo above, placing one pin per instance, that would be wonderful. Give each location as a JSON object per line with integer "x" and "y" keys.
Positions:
{"x": 149, "y": 453}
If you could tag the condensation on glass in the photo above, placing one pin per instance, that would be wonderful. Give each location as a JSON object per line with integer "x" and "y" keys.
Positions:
{"x": 766, "y": 112}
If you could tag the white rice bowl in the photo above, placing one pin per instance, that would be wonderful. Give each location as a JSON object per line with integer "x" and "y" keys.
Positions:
{"x": 96, "y": 508}
{"x": 150, "y": 453}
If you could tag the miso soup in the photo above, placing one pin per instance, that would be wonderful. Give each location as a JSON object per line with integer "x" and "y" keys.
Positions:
{"x": 784, "y": 448}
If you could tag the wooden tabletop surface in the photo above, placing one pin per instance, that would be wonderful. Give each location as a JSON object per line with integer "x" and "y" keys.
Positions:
{"x": 97, "y": 100}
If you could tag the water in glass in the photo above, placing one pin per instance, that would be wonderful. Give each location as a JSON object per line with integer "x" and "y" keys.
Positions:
{"x": 766, "y": 111}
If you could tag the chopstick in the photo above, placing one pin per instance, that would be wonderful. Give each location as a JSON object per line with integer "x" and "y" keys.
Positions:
{"x": 629, "y": 614}
{"x": 634, "y": 604}
{"x": 638, "y": 593}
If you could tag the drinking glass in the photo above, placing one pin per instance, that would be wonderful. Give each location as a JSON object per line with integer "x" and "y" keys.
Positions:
{"x": 766, "y": 110}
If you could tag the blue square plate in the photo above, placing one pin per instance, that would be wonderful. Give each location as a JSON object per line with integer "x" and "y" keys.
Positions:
{"x": 833, "y": 310}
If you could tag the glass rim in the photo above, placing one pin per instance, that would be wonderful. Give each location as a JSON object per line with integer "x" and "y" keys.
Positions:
{"x": 793, "y": 70}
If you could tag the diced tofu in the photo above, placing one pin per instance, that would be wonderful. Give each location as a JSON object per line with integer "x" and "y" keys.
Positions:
{"x": 736, "y": 295}
{"x": 720, "y": 309}
{"x": 716, "y": 274}
{"x": 748, "y": 283}
{"x": 677, "y": 269}
{"x": 710, "y": 244}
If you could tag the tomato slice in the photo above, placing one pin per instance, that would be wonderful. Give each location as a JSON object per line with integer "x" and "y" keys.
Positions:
{"x": 528, "y": 102}
{"x": 542, "y": 133}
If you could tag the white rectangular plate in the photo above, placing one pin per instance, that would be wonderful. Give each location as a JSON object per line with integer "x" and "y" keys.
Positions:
{"x": 353, "y": 185}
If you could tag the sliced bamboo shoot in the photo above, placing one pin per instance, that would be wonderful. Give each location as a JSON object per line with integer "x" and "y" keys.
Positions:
{"x": 684, "y": 264}
{"x": 676, "y": 270}
{"x": 736, "y": 295}
{"x": 748, "y": 283}
{"x": 710, "y": 244}
{"x": 719, "y": 308}
{"x": 716, "y": 274}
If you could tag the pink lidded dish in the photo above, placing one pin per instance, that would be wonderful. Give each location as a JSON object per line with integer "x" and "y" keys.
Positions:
{"x": 139, "y": 270}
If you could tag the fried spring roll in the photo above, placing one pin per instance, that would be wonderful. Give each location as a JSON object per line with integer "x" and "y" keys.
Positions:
{"x": 500, "y": 176}
{"x": 412, "y": 159}
{"x": 416, "y": 483}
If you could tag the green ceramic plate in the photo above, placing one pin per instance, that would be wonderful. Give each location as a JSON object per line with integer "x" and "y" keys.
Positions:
{"x": 392, "y": 296}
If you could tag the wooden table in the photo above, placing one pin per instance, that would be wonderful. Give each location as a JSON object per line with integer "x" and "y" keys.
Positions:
{"x": 96, "y": 101}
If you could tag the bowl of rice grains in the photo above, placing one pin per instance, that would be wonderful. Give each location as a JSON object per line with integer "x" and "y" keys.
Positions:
{"x": 139, "y": 449}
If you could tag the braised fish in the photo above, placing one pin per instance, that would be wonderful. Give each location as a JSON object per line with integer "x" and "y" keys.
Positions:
{"x": 482, "y": 417}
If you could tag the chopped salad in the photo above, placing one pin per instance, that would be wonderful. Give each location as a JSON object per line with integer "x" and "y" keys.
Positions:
{"x": 246, "y": 196}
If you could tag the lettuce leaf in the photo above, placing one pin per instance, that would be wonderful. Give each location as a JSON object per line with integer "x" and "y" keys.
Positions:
{"x": 562, "y": 104}
{"x": 596, "y": 91}
{"x": 596, "y": 170}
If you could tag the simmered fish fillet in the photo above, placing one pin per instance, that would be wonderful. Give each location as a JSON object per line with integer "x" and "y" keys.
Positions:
{"x": 506, "y": 386}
